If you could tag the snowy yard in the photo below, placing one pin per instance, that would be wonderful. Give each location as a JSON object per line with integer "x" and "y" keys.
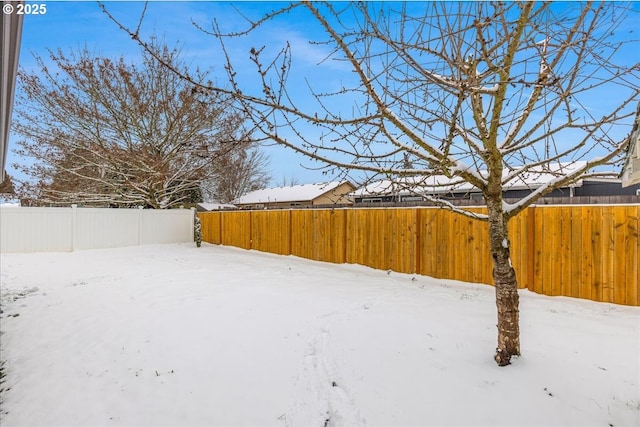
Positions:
{"x": 217, "y": 336}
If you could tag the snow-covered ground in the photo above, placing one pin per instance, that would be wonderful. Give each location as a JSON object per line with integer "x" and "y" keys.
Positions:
{"x": 217, "y": 336}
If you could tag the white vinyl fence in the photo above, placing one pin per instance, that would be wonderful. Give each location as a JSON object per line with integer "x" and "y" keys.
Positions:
{"x": 70, "y": 229}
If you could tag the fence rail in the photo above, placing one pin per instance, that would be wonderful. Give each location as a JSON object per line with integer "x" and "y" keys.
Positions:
{"x": 586, "y": 252}
{"x": 73, "y": 228}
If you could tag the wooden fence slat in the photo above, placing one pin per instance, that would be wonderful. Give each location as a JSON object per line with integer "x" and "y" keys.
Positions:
{"x": 632, "y": 251}
{"x": 597, "y": 249}
{"x": 606, "y": 288}
{"x": 417, "y": 263}
{"x": 441, "y": 249}
{"x": 427, "y": 258}
{"x": 477, "y": 246}
{"x": 588, "y": 243}
{"x": 340, "y": 235}
{"x": 461, "y": 263}
{"x": 619, "y": 283}
{"x": 554, "y": 265}
{"x": 355, "y": 232}
{"x": 565, "y": 251}
{"x": 538, "y": 244}
{"x": 576, "y": 253}
{"x": 301, "y": 233}
{"x": 458, "y": 240}
{"x": 377, "y": 254}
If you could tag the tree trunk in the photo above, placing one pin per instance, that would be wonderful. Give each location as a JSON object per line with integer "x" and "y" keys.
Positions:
{"x": 504, "y": 277}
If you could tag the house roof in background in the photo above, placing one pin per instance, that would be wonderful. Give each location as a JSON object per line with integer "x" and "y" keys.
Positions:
{"x": 439, "y": 184}
{"x": 294, "y": 193}
{"x": 212, "y": 206}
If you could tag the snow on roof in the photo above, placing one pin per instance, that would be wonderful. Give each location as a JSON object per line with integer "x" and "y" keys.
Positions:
{"x": 438, "y": 184}
{"x": 294, "y": 193}
{"x": 211, "y": 206}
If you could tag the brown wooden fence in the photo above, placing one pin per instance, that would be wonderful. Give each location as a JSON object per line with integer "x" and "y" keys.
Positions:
{"x": 587, "y": 252}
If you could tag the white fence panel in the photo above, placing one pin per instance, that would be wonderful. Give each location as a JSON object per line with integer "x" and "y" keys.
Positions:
{"x": 107, "y": 228}
{"x": 28, "y": 230}
{"x": 166, "y": 226}
{"x": 68, "y": 229}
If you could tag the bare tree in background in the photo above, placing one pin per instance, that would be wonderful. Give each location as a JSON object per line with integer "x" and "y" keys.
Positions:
{"x": 237, "y": 173}
{"x": 481, "y": 92}
{"x": 289, "y": 182}
{"x": 109, "y": 132}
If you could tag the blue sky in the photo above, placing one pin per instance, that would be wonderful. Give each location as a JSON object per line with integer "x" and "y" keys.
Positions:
{"x": 73, "y": 25}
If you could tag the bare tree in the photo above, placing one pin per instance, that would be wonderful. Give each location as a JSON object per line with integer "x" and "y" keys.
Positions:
{"x": 289, "y": 182}
{"x": 236, "y": 173}
{"x": 108, "y": 132}
{"x": 481, "y": 92}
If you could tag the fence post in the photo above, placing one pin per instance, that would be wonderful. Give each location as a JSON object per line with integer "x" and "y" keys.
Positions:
{"x": 140, "y": 224}
{"x": 418, "y": 242}
{"x": 74, "y": 227}
{"x": 290, "y": 232}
